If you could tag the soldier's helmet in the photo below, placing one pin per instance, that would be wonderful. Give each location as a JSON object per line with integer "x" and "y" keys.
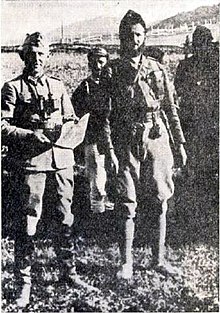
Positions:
{"x": 97, "y": 52}
{"x": 131, "y": 18}
{"x": 201, "y": 36}
{"x": 36, "y": 41}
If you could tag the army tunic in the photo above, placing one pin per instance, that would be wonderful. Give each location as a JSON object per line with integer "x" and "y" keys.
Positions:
{"x": 19, "y": 114}
{"x": 140, "y": 131}
{"x": 197, "y": 85}
{"x": 30, "y": 160}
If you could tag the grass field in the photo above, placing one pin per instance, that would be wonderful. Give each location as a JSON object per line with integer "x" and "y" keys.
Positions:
{"x": 192, "y": 243}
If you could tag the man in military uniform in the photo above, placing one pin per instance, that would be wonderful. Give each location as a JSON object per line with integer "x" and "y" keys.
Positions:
{"x": 142, "y": 105}
{"x": 34, "y": 108}
{"x": 197, "y": 86}
{"x": 90, "y": 98}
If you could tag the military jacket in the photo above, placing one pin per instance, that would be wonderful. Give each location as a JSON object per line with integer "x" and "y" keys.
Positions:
{"x": 28, "y": 105}
{"x": 139, "y": 89}
{"x": 197, "y": 85}
{"x": 90, "y": 97}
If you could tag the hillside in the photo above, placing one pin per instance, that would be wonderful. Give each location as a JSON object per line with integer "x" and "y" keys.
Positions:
{"x": 99, "y": 25}
{"x": 104, "y": 25}
{"x": 198, "y": 16}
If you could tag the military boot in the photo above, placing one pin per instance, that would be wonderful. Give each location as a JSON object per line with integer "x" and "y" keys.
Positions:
{"x": 24, "y": 287}
{"x": 69, "y": 276}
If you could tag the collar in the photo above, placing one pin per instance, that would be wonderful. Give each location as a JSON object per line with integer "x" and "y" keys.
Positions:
{"x": 34, "y": 80}
{"x": 94, "y": 79}
{"x": 133, "y": 62}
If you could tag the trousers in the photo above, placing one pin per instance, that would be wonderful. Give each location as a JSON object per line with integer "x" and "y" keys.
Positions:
{"x": 148, "y": 177}
{"x": 144, "y": 179}
{"x": 31, "y": 189}
{"x": 96, "y": 173}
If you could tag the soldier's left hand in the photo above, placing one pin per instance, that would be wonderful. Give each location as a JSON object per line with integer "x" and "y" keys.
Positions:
{"x": 114, "y": 161}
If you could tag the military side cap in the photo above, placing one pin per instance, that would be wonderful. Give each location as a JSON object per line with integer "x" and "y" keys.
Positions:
{"x": 97, "y": 52}
{"x": 130, "y": 18}
{"x": 201, "y": 35}
{"x": 36, "y": 40}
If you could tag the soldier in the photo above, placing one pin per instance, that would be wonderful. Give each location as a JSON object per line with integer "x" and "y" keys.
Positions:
{"x": 89, "y": 97}
{"x": 197, "y": 86}
{"x": 34, "y": 108}
{"x": 142, "y": 103}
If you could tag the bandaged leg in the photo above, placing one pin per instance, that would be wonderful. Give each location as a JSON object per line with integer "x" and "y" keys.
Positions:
{"x": 96, "y": 173}
{"x": 126, "y": 237}
{"x": 24, "y": 286}
{"x": 158, "y": 248}
{"x": 127, "y": 183}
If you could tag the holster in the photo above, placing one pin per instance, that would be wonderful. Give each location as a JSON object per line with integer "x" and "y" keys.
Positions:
{"x": 137, "y": 130}
{"x": 155, "y": 131}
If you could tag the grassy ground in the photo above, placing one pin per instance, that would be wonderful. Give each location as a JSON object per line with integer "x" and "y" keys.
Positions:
{"x": 192, "y": 243}
{"x": 194, "y": 287}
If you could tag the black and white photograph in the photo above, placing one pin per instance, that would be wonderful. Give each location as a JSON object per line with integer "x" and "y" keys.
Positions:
{"x": 110, "y": 156}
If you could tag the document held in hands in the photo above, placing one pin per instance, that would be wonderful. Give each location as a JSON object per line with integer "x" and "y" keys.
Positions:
{"x": 72, "y": 134}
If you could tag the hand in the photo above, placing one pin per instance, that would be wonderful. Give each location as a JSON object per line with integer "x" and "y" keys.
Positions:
{"x": 71, "y": 118}
{"x": 113, "y": 161}
{"x": 181, "y": 155}
{"x": 39, "y": 136}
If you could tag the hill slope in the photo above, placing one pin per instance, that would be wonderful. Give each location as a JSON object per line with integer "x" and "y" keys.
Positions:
{"x": 198, "y": 16}
{"x": 99, "y": 25}
{"x": 104, "y": 25}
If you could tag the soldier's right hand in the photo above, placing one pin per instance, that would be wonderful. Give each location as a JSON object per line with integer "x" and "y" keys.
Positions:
{"x": 40, "y": 137}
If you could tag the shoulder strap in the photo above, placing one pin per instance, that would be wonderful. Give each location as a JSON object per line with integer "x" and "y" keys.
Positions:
{"x": 140, "y": 66}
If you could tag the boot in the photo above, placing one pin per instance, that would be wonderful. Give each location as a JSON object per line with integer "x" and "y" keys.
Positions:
{"x": 24, "y": 287}
{"x": 67, "y": 271}
{"x": 69, "y": 275}
{"x": 65, "y": 256}
{"x": 125, "y": 246}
